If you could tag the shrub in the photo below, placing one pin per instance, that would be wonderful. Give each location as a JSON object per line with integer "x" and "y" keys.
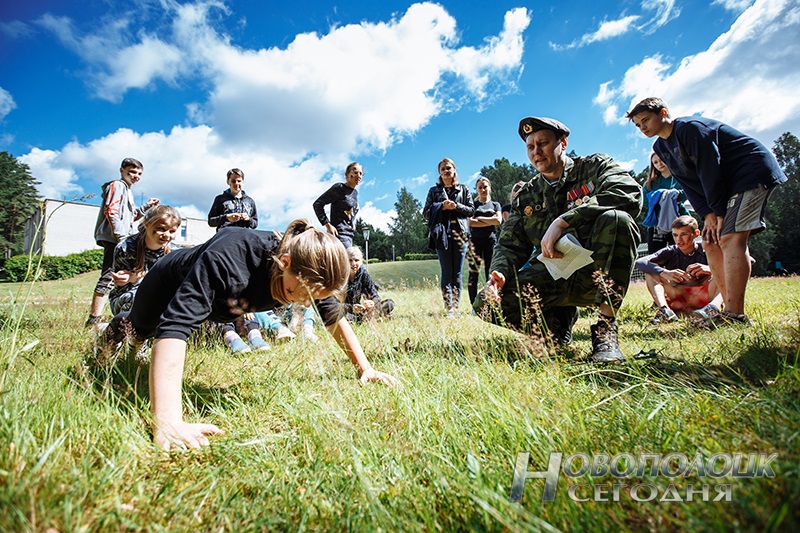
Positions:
{"x": 419, "y": 257}
{"x": 373, "y": 260}
{"x": 53, "y": 267}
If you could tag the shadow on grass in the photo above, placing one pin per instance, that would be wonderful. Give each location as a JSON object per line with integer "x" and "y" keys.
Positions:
{"x": 755, "y": 367}
{"x": 124, "y": 381}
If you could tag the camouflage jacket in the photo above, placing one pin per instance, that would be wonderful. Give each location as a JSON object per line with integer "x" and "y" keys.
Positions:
{"x": 589, "y": 186}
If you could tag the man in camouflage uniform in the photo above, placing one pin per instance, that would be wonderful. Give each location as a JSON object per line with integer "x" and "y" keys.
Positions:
{"x": 593, "y": 199}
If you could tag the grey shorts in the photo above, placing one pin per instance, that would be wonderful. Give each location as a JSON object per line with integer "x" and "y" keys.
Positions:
{"x": 746, "y": 211}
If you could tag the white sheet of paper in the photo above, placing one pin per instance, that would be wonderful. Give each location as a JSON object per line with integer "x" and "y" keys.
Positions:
{"x": 575, "y": 257}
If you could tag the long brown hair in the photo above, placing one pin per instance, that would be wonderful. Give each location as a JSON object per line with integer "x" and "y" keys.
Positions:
{"x": 455, "y": 179}
{"x": 653, "y": 174}
{"x": 153, "y": 216}
{"x": 319, "y": 261}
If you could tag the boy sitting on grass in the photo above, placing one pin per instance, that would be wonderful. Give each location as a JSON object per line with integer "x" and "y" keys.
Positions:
{"x": 679, "y": 278}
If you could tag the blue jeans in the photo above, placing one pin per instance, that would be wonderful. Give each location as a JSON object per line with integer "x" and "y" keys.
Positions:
{"x": 451, "y": 261}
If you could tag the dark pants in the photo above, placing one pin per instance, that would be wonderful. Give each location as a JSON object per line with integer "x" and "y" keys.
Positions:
{"x": 482, "y": 250}
{"x": 452, "y": 261}
{"x": 657, "y": 242}
{"x": 612, "y": 238}
{"x": 107, "y": 269}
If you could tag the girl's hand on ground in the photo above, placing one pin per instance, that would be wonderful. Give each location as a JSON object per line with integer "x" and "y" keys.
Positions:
{"x": 374, "y": 375}
{"x": 182, "y": 435}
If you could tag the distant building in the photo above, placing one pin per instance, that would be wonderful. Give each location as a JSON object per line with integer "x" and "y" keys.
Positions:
{"x": 69, "y": 228}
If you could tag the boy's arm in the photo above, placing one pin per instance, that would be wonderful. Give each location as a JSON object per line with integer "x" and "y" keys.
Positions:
{"x": 216, "y": 215}
{"x": 698, "y": 142}
{"x": 112, "y": 206}
{"x": 254, "y": 216}
{"x": 651, "y": 264}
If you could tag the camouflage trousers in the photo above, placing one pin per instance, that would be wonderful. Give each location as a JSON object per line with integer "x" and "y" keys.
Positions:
{"x": 612, "y": 237}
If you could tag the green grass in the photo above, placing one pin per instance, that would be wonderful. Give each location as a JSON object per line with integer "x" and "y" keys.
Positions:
{"x": 307, "y": 448}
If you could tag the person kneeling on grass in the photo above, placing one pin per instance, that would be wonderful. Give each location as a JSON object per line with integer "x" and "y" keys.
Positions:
{"x": 678, "y": 276}
{"x": 235, "y": 272}
{"x": 362, "y": 301}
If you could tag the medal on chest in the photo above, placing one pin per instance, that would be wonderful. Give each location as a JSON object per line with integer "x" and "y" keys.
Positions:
{"x": 580, "y": 195}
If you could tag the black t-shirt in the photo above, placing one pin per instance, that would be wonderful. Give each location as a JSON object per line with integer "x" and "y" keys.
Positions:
{"x": 485, "y": 209}
{"x": 219, "y": 281}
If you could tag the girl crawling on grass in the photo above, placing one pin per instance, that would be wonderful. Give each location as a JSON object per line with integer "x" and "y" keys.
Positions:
{"x": 137, "y": 254}
{"x": 235, "y": 272}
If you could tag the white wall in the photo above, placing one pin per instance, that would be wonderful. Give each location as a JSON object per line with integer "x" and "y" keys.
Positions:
{"x": 70, "y": 229}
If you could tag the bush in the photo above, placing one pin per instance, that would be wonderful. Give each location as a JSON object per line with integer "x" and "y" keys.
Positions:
{"x": 53, "y": 267}
{"x": 373, "y": 260}
{"x": 419, "y": 257}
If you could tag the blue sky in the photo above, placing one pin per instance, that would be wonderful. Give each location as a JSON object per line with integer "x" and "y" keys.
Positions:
{"x": 292, "y": 91}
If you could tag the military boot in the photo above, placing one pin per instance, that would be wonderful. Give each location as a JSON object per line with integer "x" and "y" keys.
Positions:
{"x": 559, "y": 321}
{"x": 605, "y": 344}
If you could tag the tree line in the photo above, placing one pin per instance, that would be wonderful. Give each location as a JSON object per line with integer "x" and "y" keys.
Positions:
{"x": 776, "y": 249}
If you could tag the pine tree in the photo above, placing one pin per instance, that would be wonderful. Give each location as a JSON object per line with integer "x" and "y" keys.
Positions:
{"x": 18, "y": 200}
{"x": 408, "y": 228}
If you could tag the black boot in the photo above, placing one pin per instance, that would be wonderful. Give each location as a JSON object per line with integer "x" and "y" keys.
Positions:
{"x": 559, "y": 321}
{"x": 605, "y": 344}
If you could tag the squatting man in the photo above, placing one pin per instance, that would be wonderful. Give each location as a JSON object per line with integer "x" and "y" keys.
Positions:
{"x": 592, "y": 198}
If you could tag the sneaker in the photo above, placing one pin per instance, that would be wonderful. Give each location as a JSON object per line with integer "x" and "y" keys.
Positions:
{"x": 238, "y": 346}
{"x": 284, "y": 334}
{"x": 708, "y": 312}
{"x": 664, "y": 315}
{"x": 259, "y": 344}
{"x": 142, "y": 353}
{"x": 605, "y": 344}
{"x": 308, "y": 333}
{"x": 451, "y": 314}
{"x": 725, "y": 318}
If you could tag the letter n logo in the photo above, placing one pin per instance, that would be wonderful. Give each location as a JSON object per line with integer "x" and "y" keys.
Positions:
{"x": 522, "y": 474}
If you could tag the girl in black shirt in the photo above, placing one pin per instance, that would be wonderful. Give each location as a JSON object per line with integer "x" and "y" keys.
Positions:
{"x": 237, "y": 271}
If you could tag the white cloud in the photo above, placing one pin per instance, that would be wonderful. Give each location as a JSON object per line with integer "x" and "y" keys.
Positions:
{"x": 733, "y": 5}
{"x": 663, "y": 11}
{"x": 15, "y": 29}
{"x": 655, "y": 13}
{"x": 116, "y": 63}
{"x": 379, "y": 219}
{"x": 7, "y": 103}
{"x": 747, "y": 78}
{"x": 56, "y": 180}
{"x": 607, "y": 30}
{"x": 291, "y": 117}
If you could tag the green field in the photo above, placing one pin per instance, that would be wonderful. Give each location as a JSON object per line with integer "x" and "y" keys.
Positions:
{"x": 308, "y": 448}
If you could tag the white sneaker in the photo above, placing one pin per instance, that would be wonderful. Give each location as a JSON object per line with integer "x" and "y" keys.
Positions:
{"x": 308, "y": 333}
{"x": 708, "y": 312}
{"x": 284, "y": 334}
